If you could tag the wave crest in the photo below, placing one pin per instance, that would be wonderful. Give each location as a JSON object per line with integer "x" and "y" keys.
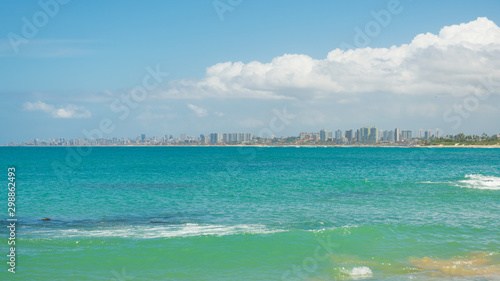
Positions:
{"x": 359, "y": 272}
{"x": 479, "y": 181}
{"x": 186, "y": 230}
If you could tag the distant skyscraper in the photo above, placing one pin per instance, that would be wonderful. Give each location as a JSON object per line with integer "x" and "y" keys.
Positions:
{"x": 386, "y": 135}
{"x": 437, "y": 133}
{"x": 338, "y": 135}
{"x": 390, "y": 135}
{"x": 406, "y": 135}
{"x": 420, "y": 134}
{"x": 381, "y": 135}
{"x": 397, "y": 135}
{"x": 365, "y": 134}
{"x": 215, "y": 138}
{"x": 369, "y": 135}
{"x": 324, "y": 135}
{"x": 373, "y": 138}
{"x": 248, "y": 136}
{"x": 143, "y": 137}
{"x": 428, "y": 134}
{"x": 349, "y": 136}
{"x": 203, "y": 139}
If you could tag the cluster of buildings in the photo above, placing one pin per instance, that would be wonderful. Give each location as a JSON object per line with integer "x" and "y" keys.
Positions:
{"x": 213, "y": 138}
{"x": 228, "y": 138}
{"x": 368, "y": 135}
{"x": 364, "y": 135}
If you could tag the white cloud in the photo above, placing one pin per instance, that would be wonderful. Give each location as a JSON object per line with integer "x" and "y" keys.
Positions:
{"x": 220, "y": 114}
{"x": 199, "y": 111}
{"x": 452, "y": 62}
{"x": 69, "y": 111}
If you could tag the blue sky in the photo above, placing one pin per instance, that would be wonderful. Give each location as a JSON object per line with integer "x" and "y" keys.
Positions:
{"x": 91, "y": 53}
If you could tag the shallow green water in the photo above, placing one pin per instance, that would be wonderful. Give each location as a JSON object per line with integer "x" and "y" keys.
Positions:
{"x": 205, "y": 213}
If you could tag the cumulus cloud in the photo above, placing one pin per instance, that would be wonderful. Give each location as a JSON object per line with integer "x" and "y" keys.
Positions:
{"x": 452, "y": 62}
{"x": 199, "y": 111}
{"x": 69, "y": 111}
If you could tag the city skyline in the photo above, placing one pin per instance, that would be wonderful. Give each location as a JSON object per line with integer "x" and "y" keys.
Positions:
{"x": 333, "y": 133}
{"x": 364, "y": 135}
{"x": 340, "y": 66}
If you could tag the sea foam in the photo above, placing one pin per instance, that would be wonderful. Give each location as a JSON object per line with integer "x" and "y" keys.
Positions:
{"x": 479, "y": 181}
{"x": 149, "y": 232}
{"x": 358, "y": 272}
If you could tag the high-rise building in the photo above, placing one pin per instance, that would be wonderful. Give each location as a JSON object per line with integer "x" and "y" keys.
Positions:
{"x": 397, "y": 135}
{"x": 358, "y": 135}
{"x": 203, "y": 139}
{"x": 390, "y": 136}
{"x": 428, "y": 134}
{"x": 365, "y": 134}
{"x": 381, "y": 135}
{"x": 386, "y": 135}
{"x": 406, "y": 135}
{"x": 325, "y": 135}
{"x": 373, "y": 138}
{"x": 368, "y": 135}
{"x": 437, "y": 133}
{"x": 241, "y": 137}
{"x": 143, "y": 137}
{"x": 338, "y": 135}
{"x": 420, "y": 133}
{"x": 248, "y": 136}
{"x": 215, "y": 138}
{"x": 349, "y": 136}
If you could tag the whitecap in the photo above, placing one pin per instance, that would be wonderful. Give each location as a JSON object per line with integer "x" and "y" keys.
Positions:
{"x": 479, "y": 181}
{"x": 358, "y": 272}
{"x": 149, "y": 232}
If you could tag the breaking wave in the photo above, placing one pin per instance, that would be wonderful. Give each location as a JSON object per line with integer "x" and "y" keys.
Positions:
{"x": 150, "y": 232}
{"x": 479, "y": 181}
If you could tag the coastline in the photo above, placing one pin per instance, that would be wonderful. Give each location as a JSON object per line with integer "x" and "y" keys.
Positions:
{"x": 265, "y": 145}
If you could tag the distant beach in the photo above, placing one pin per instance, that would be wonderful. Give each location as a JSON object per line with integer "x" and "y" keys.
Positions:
{"x": 265, "y": 145}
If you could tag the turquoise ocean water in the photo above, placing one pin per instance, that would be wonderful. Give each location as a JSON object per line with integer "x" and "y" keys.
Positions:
{"x": 227, "y": 213}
